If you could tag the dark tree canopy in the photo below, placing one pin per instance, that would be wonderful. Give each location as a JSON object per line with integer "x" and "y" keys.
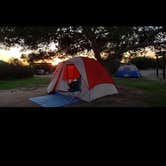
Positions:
{"x": 36, "y": 56}
{"x": 114, "y": 40}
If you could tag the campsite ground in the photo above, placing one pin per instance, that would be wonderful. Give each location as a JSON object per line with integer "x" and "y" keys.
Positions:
{"x": 20, "y": 98}
{"x": 132, "y": 92}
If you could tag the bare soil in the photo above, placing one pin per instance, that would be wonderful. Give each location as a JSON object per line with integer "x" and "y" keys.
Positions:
{"x": 20, "y": 97}
{"x": 126, "y": 98}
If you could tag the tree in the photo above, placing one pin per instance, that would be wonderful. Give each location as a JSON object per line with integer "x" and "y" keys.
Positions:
{"x": 163, "y": 54}
{"x": 114, "y": 41}
{"x": 38, "y": 56}
{"x": 15, "y": 62}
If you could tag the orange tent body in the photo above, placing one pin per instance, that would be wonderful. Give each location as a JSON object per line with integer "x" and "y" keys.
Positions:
{"x": 71, "y": 73}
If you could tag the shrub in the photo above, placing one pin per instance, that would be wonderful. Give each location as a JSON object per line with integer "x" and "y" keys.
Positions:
{"x": 10, "y": 71}
{"x": 145, "y": 62}
{"x": 5, "y": 70}
{"x": 21, "y": 71}
{"x": 112, "y": 66}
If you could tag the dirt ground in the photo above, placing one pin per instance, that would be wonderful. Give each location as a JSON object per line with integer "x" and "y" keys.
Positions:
{"x": 126, "y": 98}
{"x": 20, "y": 97}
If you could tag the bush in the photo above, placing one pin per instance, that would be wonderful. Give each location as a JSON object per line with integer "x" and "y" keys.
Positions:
{"x": 145, "y": 62}
{"x": 112, "y": 66}
{"x": 5, "y": 71}
{"x": 21, "y": 71}
{"x": 10, "y": 71}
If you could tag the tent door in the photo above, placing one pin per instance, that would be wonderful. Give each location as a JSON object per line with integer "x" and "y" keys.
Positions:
{"x": 73, "y": 77}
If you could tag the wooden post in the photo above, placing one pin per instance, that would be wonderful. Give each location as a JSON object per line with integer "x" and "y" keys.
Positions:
{"x": 157, "y": 66}
{"x": 163, "y": 66}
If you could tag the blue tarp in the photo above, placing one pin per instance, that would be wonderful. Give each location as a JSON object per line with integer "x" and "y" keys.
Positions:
{"x": 54, "y": 100}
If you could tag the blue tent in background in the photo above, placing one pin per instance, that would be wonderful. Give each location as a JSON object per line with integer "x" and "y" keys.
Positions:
{"x": 128, "y": 70}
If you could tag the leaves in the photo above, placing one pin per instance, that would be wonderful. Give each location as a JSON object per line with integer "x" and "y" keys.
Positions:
{"x": 73, "y": 39}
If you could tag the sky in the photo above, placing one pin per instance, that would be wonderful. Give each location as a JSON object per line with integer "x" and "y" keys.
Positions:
{"x": 15, "y": 52}
{"x": 5, "y": 55}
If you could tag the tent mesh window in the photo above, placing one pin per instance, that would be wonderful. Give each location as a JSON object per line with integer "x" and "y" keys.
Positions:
{"x": 126, "y": 68}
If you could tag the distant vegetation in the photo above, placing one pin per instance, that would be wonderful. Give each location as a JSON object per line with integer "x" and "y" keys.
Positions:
{"x": 145, "y": 62}
{"x": 115, "y": 41}
{"x": 14, "y": 70}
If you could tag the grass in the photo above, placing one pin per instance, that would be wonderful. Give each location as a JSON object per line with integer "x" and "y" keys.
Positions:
{"x": 24, "y": 83}
{"x": 155, "y": 89}
{"x": 148, "y": 85}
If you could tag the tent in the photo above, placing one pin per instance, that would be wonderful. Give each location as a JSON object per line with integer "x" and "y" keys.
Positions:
{"x": 82, "y": 77}
{"x": 128, "y": 70}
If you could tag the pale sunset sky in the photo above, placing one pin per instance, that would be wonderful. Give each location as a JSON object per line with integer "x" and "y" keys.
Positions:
{"x": 15, "y": 52}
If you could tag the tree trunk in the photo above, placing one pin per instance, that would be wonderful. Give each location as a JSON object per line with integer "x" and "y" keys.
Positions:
{"x": 92, "y": 38}
{"x": 111, "y": 64}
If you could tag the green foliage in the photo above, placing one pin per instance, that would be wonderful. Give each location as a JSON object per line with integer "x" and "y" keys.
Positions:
{"x": 145, "y": 62}
{"x": 21, "y": 71}
{"x": 73, "y": 39}
{"x": 11, "y": 71}
{"x": 36, "y": 56}
{"x": 5, "y": 71}
{"x": 112, "y": 65}
{"x": 44, "y": 66}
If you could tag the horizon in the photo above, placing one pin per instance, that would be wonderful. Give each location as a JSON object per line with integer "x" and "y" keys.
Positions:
{"x": 15, "y": 52}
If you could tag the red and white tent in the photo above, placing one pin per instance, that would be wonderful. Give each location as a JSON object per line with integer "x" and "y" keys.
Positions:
{"x": 95, "y": 82}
